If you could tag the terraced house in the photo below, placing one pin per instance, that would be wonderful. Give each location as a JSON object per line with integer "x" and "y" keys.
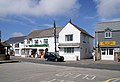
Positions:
{"x": 107, "y": 40}
{"x": 70, "y": 41}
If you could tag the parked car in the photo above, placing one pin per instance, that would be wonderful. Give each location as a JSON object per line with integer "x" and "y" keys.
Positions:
{"x": 52, "y": 56}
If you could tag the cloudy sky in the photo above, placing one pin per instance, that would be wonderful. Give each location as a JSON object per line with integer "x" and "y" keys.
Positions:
{"x": 20, "y": 17}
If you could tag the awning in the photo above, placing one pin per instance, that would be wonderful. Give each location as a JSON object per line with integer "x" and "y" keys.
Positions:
{"x": 69, "y": 45}
{"x": 39, "y": 45}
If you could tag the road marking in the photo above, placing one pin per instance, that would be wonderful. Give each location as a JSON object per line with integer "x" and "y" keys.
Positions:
{"x": 112, "y": 80}
{"x": 89, "y": 77}
{"x": 77, "y": 76}
{"x": 49, "y": 81}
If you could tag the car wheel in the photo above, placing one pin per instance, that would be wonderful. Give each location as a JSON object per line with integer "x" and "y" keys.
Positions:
{"x": 46, "y": 59}
{"x": 56, "y": 60}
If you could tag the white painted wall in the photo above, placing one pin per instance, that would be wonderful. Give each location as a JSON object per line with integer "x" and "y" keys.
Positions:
{"x": 69, "y": 29}
{"x": 51, "y": 47}
{"x": 70, "y": 56}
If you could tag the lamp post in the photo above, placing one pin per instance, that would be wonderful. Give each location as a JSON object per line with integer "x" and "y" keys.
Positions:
{"x": 0, "y": 35}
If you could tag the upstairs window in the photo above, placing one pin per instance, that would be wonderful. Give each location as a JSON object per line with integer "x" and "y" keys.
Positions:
{"x": 108, "y": 34}
{"x": 17, "y": 45}
{"x": 69, "y": 37}
{"x": 45, "y": 41}
{"x": 36, "y": 41}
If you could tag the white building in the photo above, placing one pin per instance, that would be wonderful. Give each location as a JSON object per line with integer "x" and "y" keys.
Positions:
{"x": 17, "y": 44}
{"x": 75, "y": 43}
{"x": 38, "y": 40}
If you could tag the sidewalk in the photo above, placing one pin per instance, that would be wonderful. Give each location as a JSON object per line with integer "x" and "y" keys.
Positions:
{"x": 91, "y": 61}
{"x": 9, "y": 61}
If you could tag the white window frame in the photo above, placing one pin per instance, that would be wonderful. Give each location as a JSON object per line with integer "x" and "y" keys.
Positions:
{"x": 69, "y": 50}
{"x": 69, "y": 37}
{"x": 108, "y": 34}
{"x": 45, "y": 41}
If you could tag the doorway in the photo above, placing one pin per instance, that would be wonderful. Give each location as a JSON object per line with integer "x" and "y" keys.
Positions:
{"x": 107, "y": 53}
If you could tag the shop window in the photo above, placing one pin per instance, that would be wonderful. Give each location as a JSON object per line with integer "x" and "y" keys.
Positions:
{"x": 110, "y": 51}
{"x": 103, "y": 51}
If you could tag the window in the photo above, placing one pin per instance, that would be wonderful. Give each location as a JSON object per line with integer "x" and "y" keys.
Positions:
{"x": 108, "y": 34}
{"x": 28, "y": 41}
{"x": 57, "y": 39}
{"x": 17, "y": 51}
{"x": 17, "y": 45}
{"x": 103, "y": 51}
{"x": 36, "y": 41}
{"x": 69, "y": 37}
{"x": 84, "y": 38}
{"x": 68, "y": 50}
{"x": 46, "y": 41}
{"x": 110, "y": 51}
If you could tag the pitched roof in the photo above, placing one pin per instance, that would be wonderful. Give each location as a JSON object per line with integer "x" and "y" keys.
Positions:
{"x": 44, "y": 33}
{"x": 15, "y": 39}
{"x": 113, "y": 25}
{"x": 80, "y": 29}
{"x": 4, "y": 44}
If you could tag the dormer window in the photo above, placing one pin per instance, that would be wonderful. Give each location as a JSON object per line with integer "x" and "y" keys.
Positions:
{"x": 108, "y": 33}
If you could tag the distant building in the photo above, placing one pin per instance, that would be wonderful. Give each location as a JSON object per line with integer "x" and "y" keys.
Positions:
{"x": 107, "y": 40}
{"x": 17, "y": 44}
{"x": 4, "y": 49}
{"x": 75, "y": 43}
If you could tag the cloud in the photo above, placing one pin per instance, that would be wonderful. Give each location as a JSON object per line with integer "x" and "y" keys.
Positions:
{"x": 48, "y": 25}
{"x": 16, "y": 34}
{"x": 108, "y": 9}
{"x": 38, "y": 7}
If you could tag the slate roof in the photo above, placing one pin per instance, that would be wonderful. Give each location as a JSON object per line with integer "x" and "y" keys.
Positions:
{"x": 80, "y": 29}
{"x": 15, "y": 39}
{"x": 44, "y": 33}
{"x": 113, "y": 25}
{"x": 4, "y": 44}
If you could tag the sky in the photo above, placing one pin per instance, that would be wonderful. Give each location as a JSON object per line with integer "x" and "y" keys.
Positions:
{"x": 20, "y": 17}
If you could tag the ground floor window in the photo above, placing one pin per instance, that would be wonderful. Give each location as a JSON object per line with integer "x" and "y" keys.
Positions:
{"x": 16, "y": 51}
{"x": 69, "y": 50}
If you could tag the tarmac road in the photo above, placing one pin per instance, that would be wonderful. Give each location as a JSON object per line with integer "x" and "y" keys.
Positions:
{"x": 34, "y": 72}
{"x": 89, "y": 63}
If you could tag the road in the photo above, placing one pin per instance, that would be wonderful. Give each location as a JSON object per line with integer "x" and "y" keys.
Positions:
{"x": 34, "y": 72}
{"x": 79, "y": 64}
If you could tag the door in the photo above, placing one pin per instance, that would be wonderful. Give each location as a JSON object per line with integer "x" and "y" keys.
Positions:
{"x": 107, "y": 54}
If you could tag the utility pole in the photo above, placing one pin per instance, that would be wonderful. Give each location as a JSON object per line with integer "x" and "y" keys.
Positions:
{"x": 55, "y": 35}
{"x": 0, "y": 35}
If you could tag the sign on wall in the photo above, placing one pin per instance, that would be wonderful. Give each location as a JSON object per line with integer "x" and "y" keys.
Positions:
{"x": 107, "y": 43}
